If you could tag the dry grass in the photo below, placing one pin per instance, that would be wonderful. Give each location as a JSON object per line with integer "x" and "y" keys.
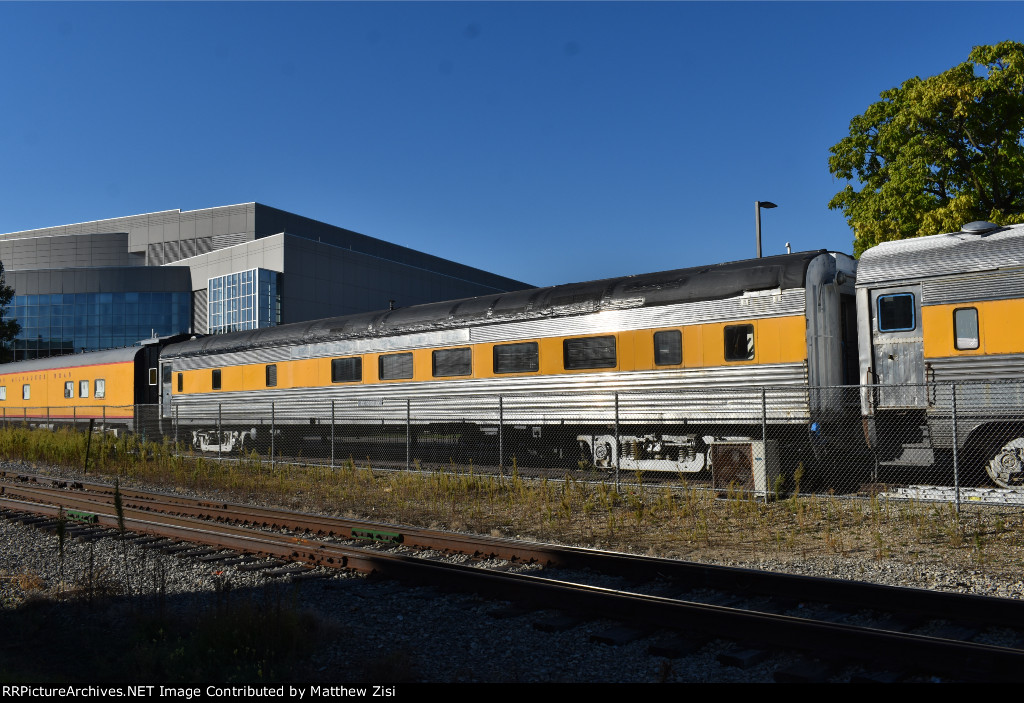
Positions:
{"x": 683, "y": 522}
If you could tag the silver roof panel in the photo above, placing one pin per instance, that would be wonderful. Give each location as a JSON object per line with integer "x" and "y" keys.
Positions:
{"x": 942, "y": 255}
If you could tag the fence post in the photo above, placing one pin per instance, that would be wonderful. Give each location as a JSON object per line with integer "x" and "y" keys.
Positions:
{"x": 103, "y": 429}
{"x": 956, "y": 456}
{"x": 48, "y": 418}
{"x": 175, "y": 425}
{"x": 332, "y": 434}
{"x": 220, "y": 432}
{"x": 501, "y": 437}
{"x": 74, "y": 418}
{"x": 273, "y": 431}
{"x": 408, "y": 433}
{"x": 616, "y": 447}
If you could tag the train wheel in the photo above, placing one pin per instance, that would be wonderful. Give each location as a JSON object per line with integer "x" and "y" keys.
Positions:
{"x": 1006, "y": 465}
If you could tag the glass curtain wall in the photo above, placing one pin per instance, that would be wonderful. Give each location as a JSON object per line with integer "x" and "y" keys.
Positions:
{"x": 74, "y": 322}
{"x": 244, "y": 300}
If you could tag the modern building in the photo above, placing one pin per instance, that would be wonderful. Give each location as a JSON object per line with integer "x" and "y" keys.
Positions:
{"x": 110, "y": 283}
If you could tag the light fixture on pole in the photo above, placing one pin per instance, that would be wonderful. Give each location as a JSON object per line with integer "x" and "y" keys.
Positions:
{"x": 758, "y": 204}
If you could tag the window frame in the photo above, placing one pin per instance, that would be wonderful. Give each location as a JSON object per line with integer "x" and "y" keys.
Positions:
{"x": 535, "y": 358}
{"x": 270, "y": 375}
{"x": 678, "y": 336}
{"x": 26, "y": 391}
{"x": 977, "y": 329}
{"x": 69, "y": 389}
{"x": 752, "y": 343}
{"x": 336, "y": 369}
{"x": 468, "y": 362}
{"x": 181, "y": 382}
{"x": 585, "y": 364}
{"x": 216, "y": 379}
{"x": 913, "y": 312}
{"x": 99, "y": 388}
{"x": 3, "y": 393}
{"x": 83, "y": 388}
{"x": 398, "y": 358}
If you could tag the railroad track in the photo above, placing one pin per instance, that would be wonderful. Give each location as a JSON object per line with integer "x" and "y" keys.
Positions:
{"x": 694, "y": 600}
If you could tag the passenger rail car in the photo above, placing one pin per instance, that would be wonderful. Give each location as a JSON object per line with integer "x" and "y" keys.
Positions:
{"x": 679, "y": 357}
{"x": 724, "y": 330}
{"x": 940, "y": 310}
{"x": 107, "y": 386}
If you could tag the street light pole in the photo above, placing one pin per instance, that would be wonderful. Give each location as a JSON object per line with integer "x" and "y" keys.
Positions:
{"x": 758, "y": 204}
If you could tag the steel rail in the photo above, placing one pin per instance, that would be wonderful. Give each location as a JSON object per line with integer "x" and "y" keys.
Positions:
{"x": 851, "y": 594}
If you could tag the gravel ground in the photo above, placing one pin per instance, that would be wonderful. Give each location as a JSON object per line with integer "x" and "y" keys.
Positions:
{"x": 380, "y": 630}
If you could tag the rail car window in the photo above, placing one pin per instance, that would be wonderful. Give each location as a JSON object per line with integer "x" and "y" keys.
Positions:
{"x": 589, "y": 353}
{"x": 3, "y": 392}
{"x": 896, "y": 313}
{"x": 99, "y": 388}
{"x": 83, "y": 389}
{"x": 347, "y": 370}
{"x": 152, "y": 376}
{"x": 965, "y": 328}
{"x": 739, "y": 342}
{"x": 26, "y": 392}
{"x": 216, "y": 379}
{"x": 181, "y": 382}
{"x": 395, "y": 366}
{"x": 453, "y": 362}
{"x": 516, "y": 358}
{"x": 69, "y": 389}
{"x": 271, "y": 375}
{"x": 668, "y": 348}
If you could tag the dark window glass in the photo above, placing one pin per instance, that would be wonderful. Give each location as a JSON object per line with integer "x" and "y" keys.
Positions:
{"x": 668, "y": 348}
{"x": 739, "y": 342}
{"x": 271, "y": 375}
{"x": 394, "y": 366}
{"x": 589, "y": 353}
{"x": 346, "y": 370}
{"x": 516, "y": 358}
{"x": 216, "y": 379}
{"x": 152, "y": 376}
{"x": 896, "y": 313}
{"x": 181, "y": 381}
{"x": 453, "y": 362}
{"x": 965, "y": 328}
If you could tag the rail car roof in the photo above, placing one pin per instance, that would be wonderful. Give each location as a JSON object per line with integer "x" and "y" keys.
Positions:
{"x": 712, "y": 282}
{"x": 942, "y": 255}
{"x": 107, "y": 356}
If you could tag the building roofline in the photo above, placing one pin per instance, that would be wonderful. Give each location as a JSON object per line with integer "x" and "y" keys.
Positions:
{"x": 124, "y": 217}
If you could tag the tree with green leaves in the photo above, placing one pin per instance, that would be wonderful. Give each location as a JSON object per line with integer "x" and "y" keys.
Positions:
{"x": 8, "y": 328}
{"x": 936, "y": 153}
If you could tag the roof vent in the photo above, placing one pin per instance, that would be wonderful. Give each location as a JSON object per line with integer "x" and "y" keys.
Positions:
{"x": 979, "y": 227}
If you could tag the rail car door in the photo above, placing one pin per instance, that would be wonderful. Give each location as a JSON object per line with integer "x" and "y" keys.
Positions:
{"x": 165, "y": 389}
{"x": 897, "y": 344}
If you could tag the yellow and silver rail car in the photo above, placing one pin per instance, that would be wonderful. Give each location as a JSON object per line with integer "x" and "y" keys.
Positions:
{"x": 687, "y": 351}
{"x": 108, "y": 386}
{"x": 937, "y": 312}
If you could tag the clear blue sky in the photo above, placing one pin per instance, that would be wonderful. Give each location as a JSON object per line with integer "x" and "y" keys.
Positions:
{"x": 549, "y": 142}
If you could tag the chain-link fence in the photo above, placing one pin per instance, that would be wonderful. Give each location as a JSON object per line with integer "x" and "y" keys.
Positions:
{"x": 955, "y": 441}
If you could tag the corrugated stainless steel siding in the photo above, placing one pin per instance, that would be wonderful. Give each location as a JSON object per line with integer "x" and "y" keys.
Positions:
{"x": 719, "y": 395}
{"x": 994, "y": 285}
